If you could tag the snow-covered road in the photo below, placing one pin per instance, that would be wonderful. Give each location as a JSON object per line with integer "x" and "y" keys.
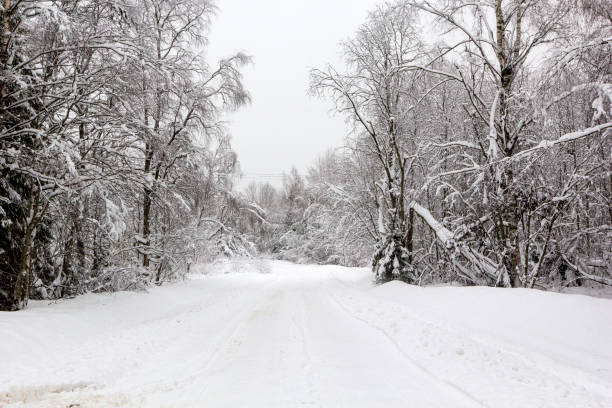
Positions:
{"x": 309, "y": 336}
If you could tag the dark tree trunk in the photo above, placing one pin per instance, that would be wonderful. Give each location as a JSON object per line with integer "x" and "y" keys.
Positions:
{"x": 146, "y": 207}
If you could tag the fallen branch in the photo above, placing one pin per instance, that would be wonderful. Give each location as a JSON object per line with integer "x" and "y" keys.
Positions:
{"x": 480, "y": 261}
{"x": 595, "y": 278}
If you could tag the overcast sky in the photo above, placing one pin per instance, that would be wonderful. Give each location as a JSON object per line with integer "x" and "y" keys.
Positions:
{"x": 284, "y": 126}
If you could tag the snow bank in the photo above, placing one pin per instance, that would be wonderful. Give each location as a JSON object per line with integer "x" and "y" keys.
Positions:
{"x": 575, "y": 329}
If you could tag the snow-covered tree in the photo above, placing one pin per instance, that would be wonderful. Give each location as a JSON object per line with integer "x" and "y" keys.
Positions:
{"x": 372, "y": 95}
{"x": 502, "y": 126}
{"x": 109, "y": 113}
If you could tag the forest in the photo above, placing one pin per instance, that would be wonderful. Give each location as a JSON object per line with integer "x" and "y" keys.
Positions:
{"x": 480, "y": 148}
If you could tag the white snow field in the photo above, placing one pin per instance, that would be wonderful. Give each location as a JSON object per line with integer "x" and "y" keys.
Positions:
{"x": 309, "y": 336}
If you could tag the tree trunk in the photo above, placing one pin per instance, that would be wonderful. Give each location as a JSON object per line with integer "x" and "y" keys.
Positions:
{"x": 22, "y": 283}
{"x": 146, "y": 207}
{"x": 512, "y": 255}
{"x": 409, "y": 235}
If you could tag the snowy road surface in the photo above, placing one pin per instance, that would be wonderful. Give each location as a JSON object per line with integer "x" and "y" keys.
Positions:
{"x": 309, "y": 336}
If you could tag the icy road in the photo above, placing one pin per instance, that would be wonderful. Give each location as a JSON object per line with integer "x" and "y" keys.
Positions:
{"x": 309, "y": 336}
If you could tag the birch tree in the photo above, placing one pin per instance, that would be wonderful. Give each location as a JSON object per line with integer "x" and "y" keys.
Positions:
{"x": 497, "y": 47}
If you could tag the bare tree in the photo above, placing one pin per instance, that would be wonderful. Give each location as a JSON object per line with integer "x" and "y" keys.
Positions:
{"x": 372, "y": 95}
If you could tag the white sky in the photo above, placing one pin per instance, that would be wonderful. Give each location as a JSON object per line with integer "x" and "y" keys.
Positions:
{"x": 284, "y": 126}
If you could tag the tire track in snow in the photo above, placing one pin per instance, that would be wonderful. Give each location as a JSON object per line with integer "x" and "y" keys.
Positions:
{"x": 241, "y": 321}
{"x": 222, "y": 341}
{"x": 446, "y": 385}
{"x": 234, "y": 328}
{"x": 307, "y": 352}
{"x": 552, "y": 371}
{"x": 270, "y": 345}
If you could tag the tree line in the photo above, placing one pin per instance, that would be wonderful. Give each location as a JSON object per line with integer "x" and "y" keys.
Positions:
{"x": 114, "y": 164}
{"x": 480, "y": 149}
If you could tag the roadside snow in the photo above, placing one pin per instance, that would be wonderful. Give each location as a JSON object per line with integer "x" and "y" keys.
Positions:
{"x": 309, "y": 336}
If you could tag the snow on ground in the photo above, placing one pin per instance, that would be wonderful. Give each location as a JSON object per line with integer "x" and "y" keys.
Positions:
{"x": 309, "y": 336}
